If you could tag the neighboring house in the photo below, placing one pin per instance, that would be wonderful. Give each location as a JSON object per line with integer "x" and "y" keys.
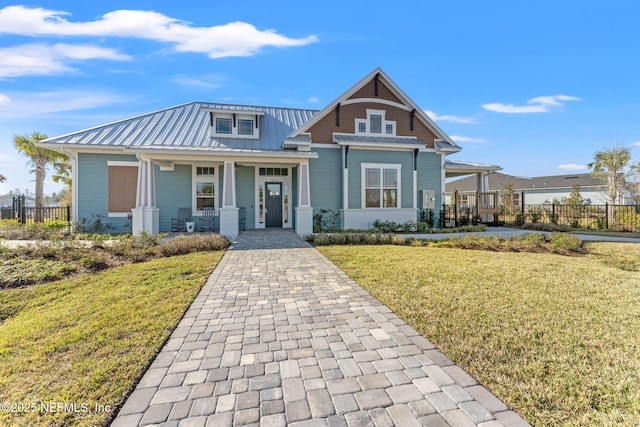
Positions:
{"x": 538, "y": 190}
{"x": 370, "y": 154}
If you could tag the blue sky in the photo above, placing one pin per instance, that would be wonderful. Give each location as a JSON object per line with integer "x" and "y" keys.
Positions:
{"x": 535, "y": 87}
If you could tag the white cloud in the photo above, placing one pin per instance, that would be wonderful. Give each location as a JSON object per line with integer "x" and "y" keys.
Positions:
{"x": 458, "y": 138}
{"x": 573, "y": 167}
{"x": 635, "y": 144}
{"x": 540, "y": 104}
{"x": 4, "y": 99}
{"x": 314, "y": 99}
{"x": 207, "y": 81}
{"x": 45, "y": 59}
{"x": 453, "y": 119}
{"x": 232, "y": 39}
{"x": 33, "y": 104}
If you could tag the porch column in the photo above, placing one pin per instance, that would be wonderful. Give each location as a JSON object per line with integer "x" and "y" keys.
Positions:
{"x": 229, "y": 226}
{"x": 482, "y": 186}
{"x": 145, "y": 216}
{"x": 304, "y": 211}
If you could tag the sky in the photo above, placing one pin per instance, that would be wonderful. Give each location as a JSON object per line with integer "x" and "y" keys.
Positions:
{"x": 534, "y": 87}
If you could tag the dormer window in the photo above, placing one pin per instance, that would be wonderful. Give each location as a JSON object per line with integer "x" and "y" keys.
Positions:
{"x": 375, "y": 124}
{"x": 245, "y": 127}
{"x": 224, "y": 125}
{"x": 235, "y": 124}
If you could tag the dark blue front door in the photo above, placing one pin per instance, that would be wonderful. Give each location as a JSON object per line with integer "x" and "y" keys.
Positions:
{"x": 274, "y": 204}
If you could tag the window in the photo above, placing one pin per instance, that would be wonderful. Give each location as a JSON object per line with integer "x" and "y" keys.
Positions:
{"x": 375, "y": 123}
{"x": 123, "y": 181}
{"x": 205, "y": 188}
{"x": 235, "y": 125}
{"x": 381, "y": 186}
{"x": 224, "y": 125}
{"x": 245, "y": 127}
{"x": 273, "y": 172}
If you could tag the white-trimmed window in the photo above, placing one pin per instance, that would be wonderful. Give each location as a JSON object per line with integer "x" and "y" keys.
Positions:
{"x": 122, "y": 185}
{"x": 381, "y": 185}
{"x": 376, "y": 124}
{"x": 204, "y": 185}
{"x": 234, "y": 125}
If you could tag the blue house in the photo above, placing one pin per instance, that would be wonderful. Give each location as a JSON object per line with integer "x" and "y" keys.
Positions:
{"x": 370, "y": 154}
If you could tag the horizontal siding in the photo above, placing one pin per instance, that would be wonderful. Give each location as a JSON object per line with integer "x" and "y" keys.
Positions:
{"x": 357, "y": 157}
{"x": 173, "y": 191}
{"x": 93, "y": 190}
{"x": 325, "y": 176}
{"x": 429, "y": 176}
{"x": 245, "y": 193}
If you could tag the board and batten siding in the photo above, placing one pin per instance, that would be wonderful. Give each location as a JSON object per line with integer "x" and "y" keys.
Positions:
{"x": 325, "y": 176}
{"x": 246, "y": 193}
{"x": 93, "y": 190}
{"x": 357, "y": 157}
{"x": 173, "y": 191}
{"x": 430, "y": 177}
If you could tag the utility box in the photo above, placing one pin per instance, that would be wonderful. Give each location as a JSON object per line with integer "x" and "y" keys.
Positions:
{"x": 428, "y": 199}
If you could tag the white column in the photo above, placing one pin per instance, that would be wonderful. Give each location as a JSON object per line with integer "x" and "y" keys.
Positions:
{"x": 304, "y": 211}
{"x": 229, "y": 217}
{"x": 145, "y": 216}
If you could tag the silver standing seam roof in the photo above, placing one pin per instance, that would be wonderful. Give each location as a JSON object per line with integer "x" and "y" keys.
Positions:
{"x": 188, "y": 126}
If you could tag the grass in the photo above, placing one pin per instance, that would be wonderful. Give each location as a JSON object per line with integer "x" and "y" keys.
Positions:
{"x": 557, "y": 338}
{"x": 88, "y": 339}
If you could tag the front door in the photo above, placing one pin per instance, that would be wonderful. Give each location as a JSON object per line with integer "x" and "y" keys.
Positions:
{"x": 274, "y": 204}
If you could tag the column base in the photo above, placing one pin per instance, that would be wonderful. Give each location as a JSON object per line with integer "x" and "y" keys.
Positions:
{"x": 145, "y": 219}
{"x": 304, "y": 220}
{"x": 229, "y": 226}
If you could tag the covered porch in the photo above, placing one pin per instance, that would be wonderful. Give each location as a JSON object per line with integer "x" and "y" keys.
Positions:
{"x": 250, "y": 189}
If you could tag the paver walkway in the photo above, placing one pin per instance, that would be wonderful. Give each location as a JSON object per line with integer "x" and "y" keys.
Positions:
{"x": 280, "y": 336}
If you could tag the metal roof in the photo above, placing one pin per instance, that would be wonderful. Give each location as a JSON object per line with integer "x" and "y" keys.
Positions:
{"x": 188, "y": 125}
{"x": 497, "y": 180}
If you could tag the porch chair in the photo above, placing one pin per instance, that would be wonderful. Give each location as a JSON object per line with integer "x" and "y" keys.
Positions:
{"x": 208, "y": 219}
{"x": 180, "y": 223}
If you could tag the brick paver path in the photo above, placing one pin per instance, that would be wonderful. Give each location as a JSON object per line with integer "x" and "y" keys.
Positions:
{"x": 280, "y": 336}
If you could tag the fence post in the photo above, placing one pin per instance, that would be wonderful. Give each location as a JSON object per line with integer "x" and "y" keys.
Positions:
{"x": 69, "y": 214}
{"x": 22, "y": 208}
{"x": 606, "y": 216}
{"x": 522, "y": 203}
{"x": 553, "y": 212}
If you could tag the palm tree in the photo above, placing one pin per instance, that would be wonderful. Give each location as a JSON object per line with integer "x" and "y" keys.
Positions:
{"x": 39, "y": 158}
{"x": 611, "y": 165}
{"x": 2, "y": 178}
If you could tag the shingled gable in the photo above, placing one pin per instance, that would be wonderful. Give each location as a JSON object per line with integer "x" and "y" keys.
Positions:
{"x": 336, "y": 122}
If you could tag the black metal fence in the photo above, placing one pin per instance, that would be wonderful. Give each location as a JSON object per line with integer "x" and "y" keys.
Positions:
{"x": 599, "y": 217}
{"x": 30, "y": 214}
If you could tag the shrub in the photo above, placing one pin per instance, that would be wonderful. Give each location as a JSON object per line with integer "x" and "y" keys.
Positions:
{"x": 195, "y": 243}
{"x": 325, "y": 220}
{"x": 520, "y": 220}
{"x": 428, "y": 217}
{"x": 565, "y": 242}
{"x": 545, "y": 227}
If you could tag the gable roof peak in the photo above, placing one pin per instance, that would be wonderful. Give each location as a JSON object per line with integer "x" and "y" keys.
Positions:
{"x": 380, "y": 74}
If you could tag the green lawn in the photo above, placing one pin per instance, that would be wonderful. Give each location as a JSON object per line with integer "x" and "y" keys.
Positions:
{"x": 86, "y": 340}
{"x": 555, "y": 337}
